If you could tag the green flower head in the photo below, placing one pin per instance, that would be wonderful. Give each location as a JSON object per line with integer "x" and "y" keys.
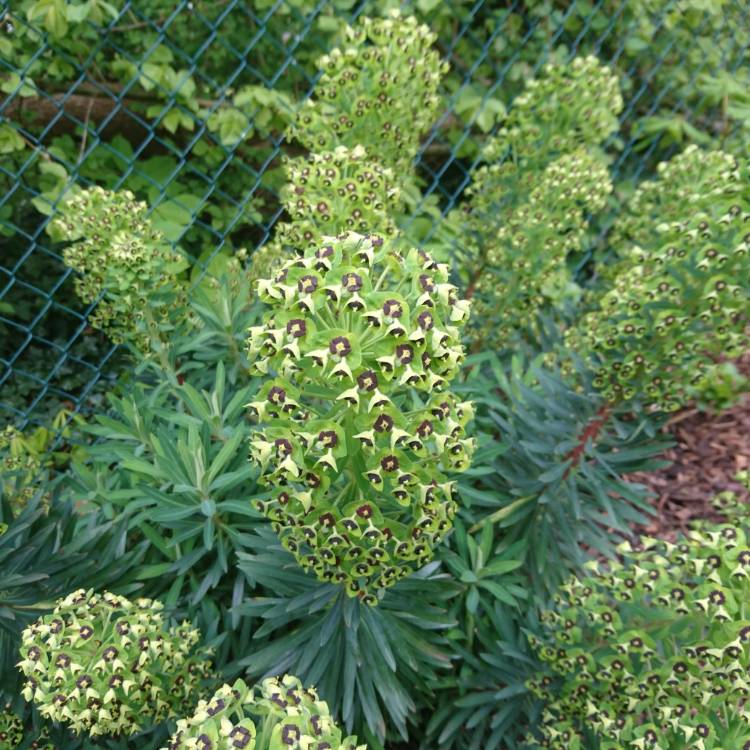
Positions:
{"x": 336, "y": 191}
{"x": 566, "y": 106}
{"x": 279, "y": 714}
{"x": 107, "y": 666}
{"x": 378, "y": 90}
{"x": 678, "y": 300}
{"x": 359, "y": 348}
{"x": 123, "y": 262}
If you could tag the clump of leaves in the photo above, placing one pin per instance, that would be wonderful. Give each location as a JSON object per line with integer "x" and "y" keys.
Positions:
{"x": 358, "y": 349}
{"x": 722, "y": 386}
{"x": 279, "y": 713}
{"x": 379, "y": 91}
{"x": 373, "y": 665}
{"x": 549, "y": 473}
{"x": 651, "y": 651}
{"x": 678, "y": 300}
{"x": 528, "y": 209}
{"x": 108, "y": 666}
{"x": 125, "y": 265}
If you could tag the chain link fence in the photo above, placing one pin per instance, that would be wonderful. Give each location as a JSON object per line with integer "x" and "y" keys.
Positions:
{"x": 185, "y": 103}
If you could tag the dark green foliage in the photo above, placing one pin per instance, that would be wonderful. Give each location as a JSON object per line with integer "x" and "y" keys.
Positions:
{"x": 550, "y": 477}
{"x": 372, "y": 665}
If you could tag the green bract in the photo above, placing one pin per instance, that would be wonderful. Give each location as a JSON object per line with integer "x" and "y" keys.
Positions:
{"x": 125, "y": 265}
{"x": 528, "y": 208}
{"x": 278, "y": 714}
{"x": 678, "y": 299}
{"x": 361, "y": 342}
{"x": 105, "y": 665}
{"x": 379, "y": 90}
{"x": 652, "y": 653}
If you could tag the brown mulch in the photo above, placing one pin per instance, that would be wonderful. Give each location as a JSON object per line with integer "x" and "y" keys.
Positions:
{"x": 710, "y": 449}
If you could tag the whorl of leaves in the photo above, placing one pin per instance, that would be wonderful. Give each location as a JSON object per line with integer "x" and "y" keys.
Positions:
{"x": 279, "y": 713}
{"x": 358, "y": 349}
{"x": 373, "y": 665}
{"x": 106, "y": 666}
{"x": 678, "y": 301}
{"x": 378, "y": 90}
{"x": 652, "y": 652}
{"x": 125, "y": 264}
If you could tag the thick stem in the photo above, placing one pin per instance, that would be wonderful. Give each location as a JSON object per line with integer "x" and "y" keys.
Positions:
{"x": 589, "y": 433}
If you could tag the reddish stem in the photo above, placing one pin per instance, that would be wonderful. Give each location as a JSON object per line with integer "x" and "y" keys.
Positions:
{"x": 589, "y": 433}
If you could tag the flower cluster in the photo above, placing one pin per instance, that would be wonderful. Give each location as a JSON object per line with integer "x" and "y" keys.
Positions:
{"x": 528, "y": 208}
{"x": 279, "y": 713}
{"x": 107, "y": 666}
{"x": 329, "y": 193}
{"x": 692, "y": 181}
{"x": 653, "y": 652}
{"x": 567, "y": 106}
{"x": 336, "y": 191}
{"x": 125, "y": 264}
{"x": 11, "y": 729}
{"x": 379, "y": 90}
{"x": 361, "y": 342}
{"x": 678, "y": 300}
{"x": 526, "y": 258}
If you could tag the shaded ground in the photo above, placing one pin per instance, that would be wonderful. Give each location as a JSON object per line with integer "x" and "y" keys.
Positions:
{"x": 710, "y": 449}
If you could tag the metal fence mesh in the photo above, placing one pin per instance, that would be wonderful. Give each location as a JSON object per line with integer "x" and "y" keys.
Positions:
{"x": 76, "y": 123}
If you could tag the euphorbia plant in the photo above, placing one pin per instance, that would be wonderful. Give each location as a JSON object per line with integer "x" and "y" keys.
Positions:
{"x": 107, "y": 666}
{"x": 651, "y": 652}
{"x": 125, "y": 265}
{"x": 359, "y": 347}
{"x": 679, "y": 298}
{"x": 528, "y": 207}
{"x": 278, "y": 713}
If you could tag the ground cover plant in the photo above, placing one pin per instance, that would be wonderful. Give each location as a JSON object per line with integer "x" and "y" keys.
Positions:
{"x": 365, "y": 477}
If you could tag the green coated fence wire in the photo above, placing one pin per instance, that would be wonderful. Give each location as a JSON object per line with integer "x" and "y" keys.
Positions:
{"x": 185, "y": 102}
